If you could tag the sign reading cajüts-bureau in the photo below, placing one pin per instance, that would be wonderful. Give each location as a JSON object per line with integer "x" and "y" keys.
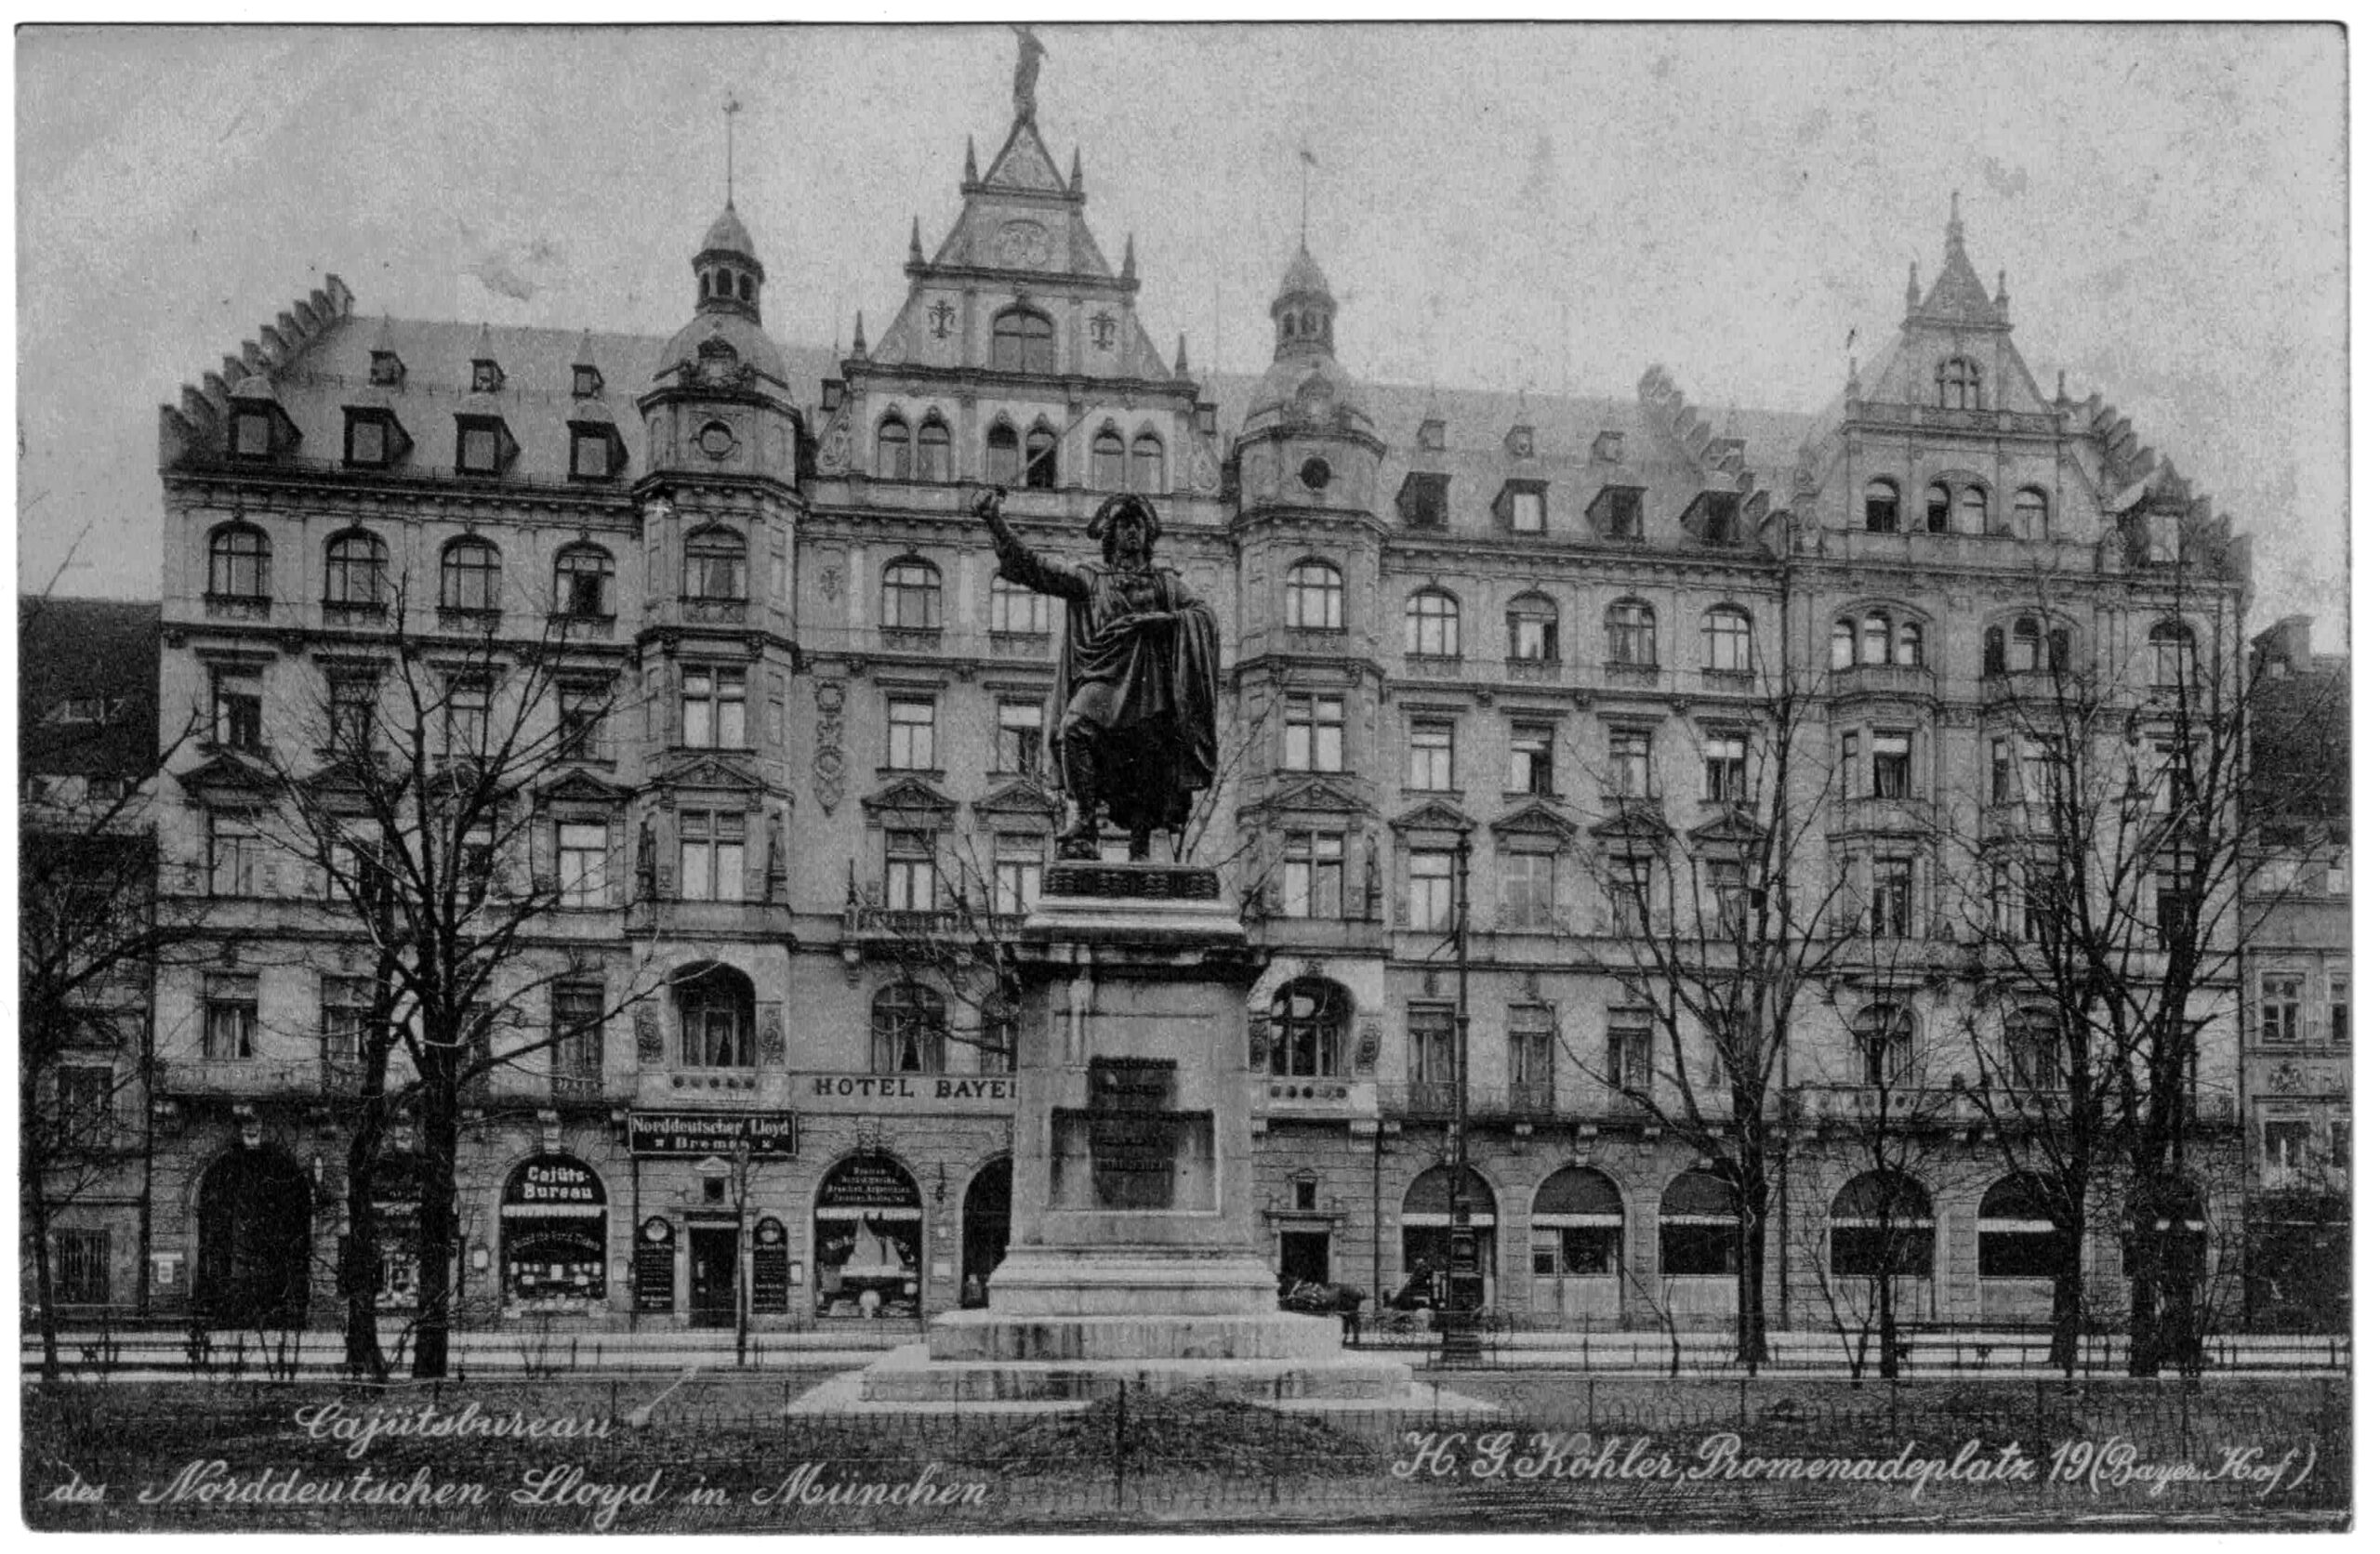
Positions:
{"x": 699, "y": 1134}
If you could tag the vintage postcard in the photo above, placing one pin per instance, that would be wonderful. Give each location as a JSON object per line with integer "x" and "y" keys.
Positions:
{"x": 1444, "y": 778}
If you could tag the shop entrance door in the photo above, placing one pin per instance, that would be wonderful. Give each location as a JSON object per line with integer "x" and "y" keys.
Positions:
{"x": 711, "y": 1265}
{"x": 1305, "y": 1256}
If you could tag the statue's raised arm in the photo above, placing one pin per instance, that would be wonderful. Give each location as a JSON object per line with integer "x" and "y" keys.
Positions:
{"x": 1131, "y": 722}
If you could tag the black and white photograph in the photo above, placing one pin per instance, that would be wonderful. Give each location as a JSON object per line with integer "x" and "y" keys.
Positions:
{"x": 1183, "y": 777}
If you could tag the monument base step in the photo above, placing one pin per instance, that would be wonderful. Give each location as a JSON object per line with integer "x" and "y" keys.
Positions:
{"x": 910, "y": 1375}
{"x": 841, "y": 1394}
{"x": 961, "y": 1337}
{"x": 1132, "y": 1281}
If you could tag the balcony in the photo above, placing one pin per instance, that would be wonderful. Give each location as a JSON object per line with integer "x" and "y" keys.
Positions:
{"x": 236, "y": 1076}
{"x": 1897, "y": 681}
{"x": 712, "y": 612}
{"x": 570, "y": 627}
{"x": 1533, "y": 671}
{"x": 576, "y": 1085}
{"x": 1908, "y": 815}
{"x": 1903, "y": 1105}
{"x": 1291, "y": 1095}
{"x": 238, "y": 606}
{"x": 1530, "y": 1097}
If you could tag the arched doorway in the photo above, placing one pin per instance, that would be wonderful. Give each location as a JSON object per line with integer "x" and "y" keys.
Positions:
{"x": 867, "y": 1231}
{"x": 983, "y": 1221}
{"x": 1574, "y": 1245}
{"x": 1700, "y": 1248}
{"x": 1880, "y": 1247}
{"x": 1425, "y": 1236}
{"x": 255, "y": 1214}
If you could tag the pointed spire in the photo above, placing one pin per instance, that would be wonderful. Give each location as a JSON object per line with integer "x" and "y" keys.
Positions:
{"x": 1955, "y": 234}
{"x": 1131, "y": 265}
{"x": 971, "y": 160}
{"x": 1182, "y": 354}
{"x": 585, "y": 355}
{"x": 385, "y": 337}
{"x": 1913, "y": 286}
{"x": 1074, "y": 178}
{"x": 917, "y": 244}
{"x": 859, "y": 333}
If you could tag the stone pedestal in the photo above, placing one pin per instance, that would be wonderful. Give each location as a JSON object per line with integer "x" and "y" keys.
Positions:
{"x": 1133, "y": 1254}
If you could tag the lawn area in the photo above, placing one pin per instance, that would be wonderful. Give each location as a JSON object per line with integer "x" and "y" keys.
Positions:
{"x": 1561, "y": 1452}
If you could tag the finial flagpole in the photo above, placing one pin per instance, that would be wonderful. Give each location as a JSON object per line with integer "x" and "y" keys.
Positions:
{"x": 1307, "y": 164}
{"x": 729, "y": 112}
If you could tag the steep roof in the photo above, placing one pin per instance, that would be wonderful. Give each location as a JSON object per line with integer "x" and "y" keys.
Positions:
{"x": 87, "y": 686}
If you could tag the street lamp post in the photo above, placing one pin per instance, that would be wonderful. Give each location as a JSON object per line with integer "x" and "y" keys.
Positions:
{"x": 1458, "y": 1331}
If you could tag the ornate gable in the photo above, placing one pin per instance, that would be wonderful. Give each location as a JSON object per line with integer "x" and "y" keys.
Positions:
{"x": 580, "y": 786}
{"x": 224, "y": 780}
{"x": 1018, "y": 798}
{"x": 1731, "y": 827}
{"x": 1317, "y": 797}
{"x": 1534, "y": 819}
{"x": 908, "y": 799}
{"x": 1633, "y": 823}
{"x": 1435, "y": 815}
{"x": 710, "y": 771}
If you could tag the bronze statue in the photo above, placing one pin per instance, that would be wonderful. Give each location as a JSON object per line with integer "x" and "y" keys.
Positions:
{"x": 1131, "y": 722}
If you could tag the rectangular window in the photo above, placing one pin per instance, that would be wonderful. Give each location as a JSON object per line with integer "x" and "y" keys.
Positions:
{"x": 367, "y": 441}
{"x": 2342, "y": 1025}
{"x": 1891, "y": 897}
{"x": 1019, "y": 740}
{"x": 578, "y": 1030}
{"x": 2032, "y": 1053}
{"x": 1429, "y": 889}
{"x": 1528, "y": 511}
{"x": 251, "y": 434}
{"x": 477, "y": 447}
{"x": 1429, "y": 1034}
{"x": 2177, "y": 919}
{"x": 909, "y": 871}
{"x": 2339, "y": 1148}
{"x": 1424, "y": 500}
{"x": 1314, "y": 729}
{"x": 581, "y": 863}
{"x": 579, "y": 713}
{"x": 355, "y": 714}
{"x": 908, "y": 734}
{"x": 230, "y": 1029}
{"x": 711, "y": 706}
{"x": 2003, "y": 776}
{"x": 1016, "y": 874}
{"x": 79, "y": 1266}
{"x": 1314, "y": 868}
{"x": 1629, "y": 882}
{"x": 1624, "y": 514}
{"x": 233, "y": 853}
{"x": 467, "y": 704}
{"x": 347, "y": 1019}
{"x": 1018, "y": 610}
{"x": 2281, "y": 1003}
{"x": 239, "y": 709}
{"x": 1888, "y": 762}
{"x": 1529, "y": 1036}
{"x": 1628, "y": 1058}
{"x": 2289, "y": 1144}
{"x": 1723, "y": 768}
{"x": 1429, "y": 759}
{"x": 710, "y": 855}
{"x": 1631, "y": 763}
{"x": 86, "y": 1102}
{"x": 1528, "y": 891}
{"x": 590, "y": 454}
{"x": 1530, "y": 768}
{"x": 1730, "y": 897}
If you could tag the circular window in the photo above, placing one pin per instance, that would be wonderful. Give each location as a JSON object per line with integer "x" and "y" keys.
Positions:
{"x": 717, "y": 439}
{"x": 1315, "y": 473}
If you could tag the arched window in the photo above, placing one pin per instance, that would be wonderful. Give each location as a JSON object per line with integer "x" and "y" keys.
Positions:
{"x": 1148, "y": 464}
{"x": 1433, "y": 624}
{"x": 714, "y": 1017}
{"x": 1958, "y": 383}
{"x": 1727, "y": 641}
{"x": 1700, "y": 1225}
{"x": 912, "y": 597}
{"x": 2032, "y": 514}
{"x": 1317, "y": 598}
{"x": 1842, "y": 651}
{"x": 1887, "y": 1038}
{"x": 892, "y": 449}
{"x": 1995, "y": 650}
{"x": 2016, "y": 1228}
{"x": 1533, "y": 627}
{"x": 355, "y": 570}
{"x": 2025, "y": 646}
{"x": 1910, "y": 650}
{"x": 1574, "y": 1225}
{"x": 583, "y": 582}
{"x": 1883, "y": 507}
{"x": 470, "y": 576}
{"x": 2175, "y": 653}
{"x": 1041, "y": 459}
{"x": 239, "y": 562}
{"x": 907, "y": 1024}
{"x": 1628, "y": 628}
{"x": 1310, "y": 1019}
{"x": 1876, "y": 638}
{"x": 933, "y": 449}
{"x": 714, "y": 565}
{"x": 1019, "y": 610}
{"x": 1107, "y": 460}
{"x": 1023, "y": 342}
{"x": 1974, "y": 508}
{"x": 1882, "y": 1223}
{"x": 1937, "y": 509}
{"x": 1001, "y": 462}
{"x": 1422, "y": 1225}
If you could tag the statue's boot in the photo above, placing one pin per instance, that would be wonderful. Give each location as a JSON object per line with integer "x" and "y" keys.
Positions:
{"x": 1081, "y": 839}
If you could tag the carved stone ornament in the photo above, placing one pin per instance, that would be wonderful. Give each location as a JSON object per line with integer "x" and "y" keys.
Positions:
{"x": 1260, "y": 1040}
{"x": 771, "y": 1041}
{"x": 648, "y": 1034}
{"x": 1367, "y": 1046}
{"x": 827, "y": 766}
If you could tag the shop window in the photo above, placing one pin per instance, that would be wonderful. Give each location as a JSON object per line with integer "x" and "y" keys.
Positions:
{"x": 1699, "y": 1227}
{"x": 1882, "y": 1223}
{"x": 554, "y": 1237}
{"x": 2017, "y": 1230}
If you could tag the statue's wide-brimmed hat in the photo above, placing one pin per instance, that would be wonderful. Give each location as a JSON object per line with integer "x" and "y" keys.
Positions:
{"x": 1115, "y": 507}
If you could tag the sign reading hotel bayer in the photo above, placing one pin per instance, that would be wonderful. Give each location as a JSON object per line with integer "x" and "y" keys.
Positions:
{"x": 704, "y": 1133}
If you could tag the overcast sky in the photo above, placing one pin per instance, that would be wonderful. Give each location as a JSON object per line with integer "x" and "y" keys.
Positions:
{"x": 1516, "y": 207}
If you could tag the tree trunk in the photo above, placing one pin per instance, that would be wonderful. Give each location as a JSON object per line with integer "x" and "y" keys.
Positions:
{"x": 1751, "y": 1287}
{"x": 2146, "y": 1357}
{"x": 44, "y": 1288}
{"x": 1889, "y": 1322}
{"x": 360, "y": 1260}
{"x": 435, "y": 1233}
{"x": 2066, "y": 1303}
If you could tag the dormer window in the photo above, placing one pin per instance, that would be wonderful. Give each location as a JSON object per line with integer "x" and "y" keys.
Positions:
{"x": 1522, "y": 506}
{"x": 486, "y": 376}
{"x": 1618, "y": 513}
{"x": 375, "y": 441}
{"x": 252, "y": 433}
{"x": 1422, "y": 502}
{"x": 585, "y": 382}
{"x": 1521, "y": 442}
{"x": 1608, "y": 446}
{"x": 1433, "y": 436}
{"x": 1712, "y": 517}
{"x": 388, "y": 371}
{"x": 482, "y": 446}
{"x": 592, "y": 453}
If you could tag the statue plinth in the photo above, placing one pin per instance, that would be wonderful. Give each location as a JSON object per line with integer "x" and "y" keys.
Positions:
{"x": 1133, "y": 1254}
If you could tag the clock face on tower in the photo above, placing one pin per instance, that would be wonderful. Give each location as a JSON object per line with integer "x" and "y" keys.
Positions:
{"x": 1024, "y": 245}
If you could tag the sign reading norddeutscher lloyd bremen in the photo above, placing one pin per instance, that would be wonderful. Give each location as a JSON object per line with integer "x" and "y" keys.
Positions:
{"x": 697, "y": 1134}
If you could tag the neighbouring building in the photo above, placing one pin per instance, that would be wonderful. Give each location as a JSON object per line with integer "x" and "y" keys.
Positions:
{"x": 1446, "y": 615}
{"x": 2298, "y": 934}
